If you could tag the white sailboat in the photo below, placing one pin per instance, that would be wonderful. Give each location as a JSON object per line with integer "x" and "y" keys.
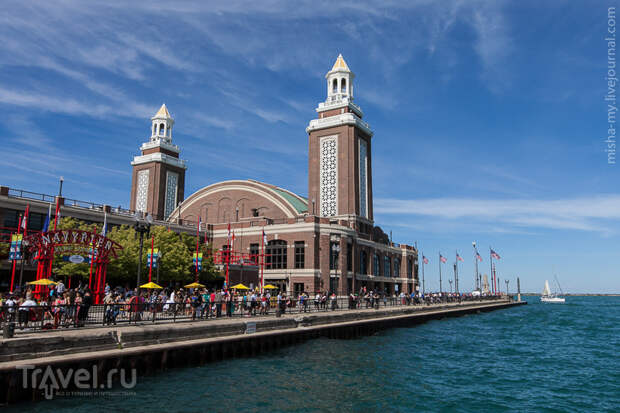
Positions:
{"x": 549, "y": 297}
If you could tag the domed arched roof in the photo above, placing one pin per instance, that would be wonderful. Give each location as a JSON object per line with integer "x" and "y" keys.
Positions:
{"x": 258, "y": 195}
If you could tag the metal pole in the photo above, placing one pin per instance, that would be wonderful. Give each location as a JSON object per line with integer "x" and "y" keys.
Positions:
{"x": 440, "y": 273}
{"x": 507, "y": 281}
{"x": 60, "y": 188}
{"x": 476, "y": 265}
{"x": 423, "y": 283}
{"x": 518, "y": 289}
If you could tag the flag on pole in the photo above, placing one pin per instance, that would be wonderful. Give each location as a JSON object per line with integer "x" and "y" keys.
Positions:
{"x": 495, "y": 255}
{"x": 478, "y": 257}
{"x": 424, "y": 259}
{"x": 442, "y": 258}
{"x": 46, "y": 225}
{"x": 25, "y": 220}
{"x": 458, "y": 257}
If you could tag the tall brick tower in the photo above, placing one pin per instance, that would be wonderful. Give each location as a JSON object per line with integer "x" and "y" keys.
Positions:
{"x": 339, "y": 154}
{"x": 158, "y": 178}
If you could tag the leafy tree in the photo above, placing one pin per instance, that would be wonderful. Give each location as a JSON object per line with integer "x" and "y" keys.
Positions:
{"x": 175, "y": 261}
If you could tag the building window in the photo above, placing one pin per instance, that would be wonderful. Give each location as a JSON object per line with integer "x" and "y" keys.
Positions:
{"x": 396, "y": 267}
{"x": 142, "y": 190}
{"x": 376, "y": 265}
{"x": 254, "y": 254}
{"x": 300, "y": 254}
{"x": 334, "y": 255}
{"x": 225, "y": 254}
{"x": 387, "y": 268}
{"x": 298, "y": 288}
{"x": 409, "y": 268}
{"x": 329, "y": 176}
{"x": 276, "y": 255}
{"x": 161, "y": 129}
{"x": 343, "y": 85}
{"x": 349, "y": 257}
{"x": 363, "y": 262}
{"x": 335, "y": 86}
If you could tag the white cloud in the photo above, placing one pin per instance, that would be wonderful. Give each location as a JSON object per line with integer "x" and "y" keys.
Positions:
{"x": 596, "y": 213}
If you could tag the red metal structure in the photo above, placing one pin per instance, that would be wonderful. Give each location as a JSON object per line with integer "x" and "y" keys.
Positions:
{"x": 100, "y": 248}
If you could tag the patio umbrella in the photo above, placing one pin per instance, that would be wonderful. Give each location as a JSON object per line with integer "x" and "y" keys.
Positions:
{"x": 270, "y": 287}
{"x": 151, "y": 285}
{"x": 194, "y": 285}
{"x": 240, "y": 287}
{"x": 42, "y": 281}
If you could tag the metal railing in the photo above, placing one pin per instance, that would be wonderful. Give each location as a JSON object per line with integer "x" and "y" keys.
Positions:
{"x": 50, "y": 317}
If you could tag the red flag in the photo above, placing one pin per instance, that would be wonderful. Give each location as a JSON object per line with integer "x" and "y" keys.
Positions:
{"x": 478, "y": 257}
{"x": 458, "y": 257}
{"x": 442, "y": 258}
{"x": 424, "y": 259}
{"x": 495, "y": 255}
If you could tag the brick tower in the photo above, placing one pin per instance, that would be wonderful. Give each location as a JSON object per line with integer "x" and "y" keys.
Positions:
{"x": 158, "y": 178}
{"x": 339, "y": 154}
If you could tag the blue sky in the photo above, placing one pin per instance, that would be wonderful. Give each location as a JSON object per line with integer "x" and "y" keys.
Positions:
{"x": 489, "y": 117}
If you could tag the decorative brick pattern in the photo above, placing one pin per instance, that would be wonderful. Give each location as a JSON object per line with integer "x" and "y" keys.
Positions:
{"x": 329, "y": 176}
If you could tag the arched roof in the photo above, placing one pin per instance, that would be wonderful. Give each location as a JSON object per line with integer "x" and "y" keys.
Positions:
{"x": 290, "y": 203}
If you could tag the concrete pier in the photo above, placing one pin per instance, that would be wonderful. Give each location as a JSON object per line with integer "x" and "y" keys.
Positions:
{"x": 152, "y": 348}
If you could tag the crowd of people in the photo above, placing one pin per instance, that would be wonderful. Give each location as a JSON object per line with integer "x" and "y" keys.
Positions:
{"x": 62, "y": 307}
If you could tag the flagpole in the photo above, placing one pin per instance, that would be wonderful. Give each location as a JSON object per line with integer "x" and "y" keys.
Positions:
{"x": 423, "y": 283}
{"x": 152, "y": 253}
{"x": 491, "y": 263}
{"x": 440, "y": 273}
{"x": 25, "y": 224}
{"x": 19, "y": 227}
{"x": 262, "y": 260}
{"x": 476, "y": 265}
{"x": 197, "y": 244}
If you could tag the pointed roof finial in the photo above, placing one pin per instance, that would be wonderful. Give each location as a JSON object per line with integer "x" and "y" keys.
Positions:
{"x": 340, "y": 64}
{"x": 163, "y": 111}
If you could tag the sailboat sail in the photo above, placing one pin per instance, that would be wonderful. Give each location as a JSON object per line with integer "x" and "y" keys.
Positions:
{"x": 546, "y": 291}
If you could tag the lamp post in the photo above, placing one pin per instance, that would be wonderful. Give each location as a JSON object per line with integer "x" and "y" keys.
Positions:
{"x": 507, "y": 281}
{"x": 450, "y": 281}
{"x": 142, "y": 227}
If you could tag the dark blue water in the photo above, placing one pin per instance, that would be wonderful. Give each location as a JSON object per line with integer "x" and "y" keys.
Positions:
{"x": 539, "y": 357}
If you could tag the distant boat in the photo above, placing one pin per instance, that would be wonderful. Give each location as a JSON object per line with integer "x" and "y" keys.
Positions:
{"x": 549, "y": 297}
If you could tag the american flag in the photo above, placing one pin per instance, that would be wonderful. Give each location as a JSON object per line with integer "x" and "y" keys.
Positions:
{"x": 458, "y": 257}
{"x": 495, "y": 255}
{"x": 442, "y": 258}
{"x": 424, "y": 259}
{"x": 478, "y": 257}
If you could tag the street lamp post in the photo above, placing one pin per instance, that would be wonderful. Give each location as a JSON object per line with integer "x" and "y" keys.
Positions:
{"x": 450, "y": 281}
{"x": 142, "y": 227}
{"x": 507, "y": 281}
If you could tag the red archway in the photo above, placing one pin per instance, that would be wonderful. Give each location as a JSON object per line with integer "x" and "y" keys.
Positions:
{"x": 99, "y": 247}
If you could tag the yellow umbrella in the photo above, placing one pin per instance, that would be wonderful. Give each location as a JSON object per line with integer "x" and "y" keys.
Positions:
{"x": 240, "y": 287}
{"x": 151, "y": 285}
{"x": 270, "y": 287}
{"x": 43, "y": 281}
{"x": 194, "y": 285}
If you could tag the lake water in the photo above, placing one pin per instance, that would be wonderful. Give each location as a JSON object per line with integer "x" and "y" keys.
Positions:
{"x": 539, "y": 357}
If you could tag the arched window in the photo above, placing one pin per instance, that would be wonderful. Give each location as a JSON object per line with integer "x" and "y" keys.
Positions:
{"x": 376, "y": 265}
{"x": 162, "y": 129}
{"x": 387, "y": 270}
{"x": 363, "y": 263}
{"x": 343, "y": 85}
{"x": 335, "y": 86}
{"x": 276, "y": 254}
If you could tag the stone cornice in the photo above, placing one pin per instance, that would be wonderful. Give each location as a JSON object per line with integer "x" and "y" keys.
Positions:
{"x": 338, "y": 120}
{"x": 159, "y": 157}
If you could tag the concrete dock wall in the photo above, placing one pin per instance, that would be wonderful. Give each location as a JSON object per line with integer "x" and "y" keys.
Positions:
{"x": 152, "y": 349}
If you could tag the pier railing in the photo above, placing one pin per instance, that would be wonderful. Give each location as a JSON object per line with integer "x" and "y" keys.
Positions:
{"x": 51, "y": 317}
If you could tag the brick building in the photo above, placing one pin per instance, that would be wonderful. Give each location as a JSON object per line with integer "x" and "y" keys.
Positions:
{"x": 327, "y": 241}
